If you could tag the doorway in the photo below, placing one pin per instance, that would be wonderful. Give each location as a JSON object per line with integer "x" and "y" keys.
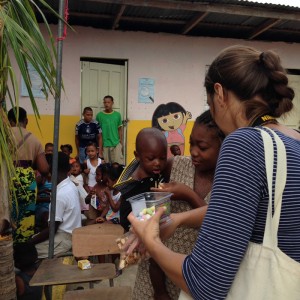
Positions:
{"x": 101, "y": 77}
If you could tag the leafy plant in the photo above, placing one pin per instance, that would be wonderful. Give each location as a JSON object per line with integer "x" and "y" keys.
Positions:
{"x": 22, "y": 41}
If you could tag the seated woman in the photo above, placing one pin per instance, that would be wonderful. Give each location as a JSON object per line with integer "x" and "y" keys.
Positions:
{"x": 190, "y": 179}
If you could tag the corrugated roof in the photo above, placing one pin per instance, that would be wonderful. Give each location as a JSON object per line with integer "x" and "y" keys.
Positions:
{"x": 239, "y": 19}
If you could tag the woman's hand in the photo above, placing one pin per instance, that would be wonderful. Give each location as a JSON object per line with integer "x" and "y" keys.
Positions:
{"x": 147, "y": 231}
{"x": 86, "y": 171}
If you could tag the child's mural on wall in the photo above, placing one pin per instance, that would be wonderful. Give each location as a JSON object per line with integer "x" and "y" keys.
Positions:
{"x": 171, "y": 118}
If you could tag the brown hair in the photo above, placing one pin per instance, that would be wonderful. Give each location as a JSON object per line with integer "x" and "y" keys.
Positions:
{"x": 256, "y": 78}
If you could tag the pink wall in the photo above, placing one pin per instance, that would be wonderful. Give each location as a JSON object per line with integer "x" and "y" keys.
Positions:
{"x": 177, "y": 63}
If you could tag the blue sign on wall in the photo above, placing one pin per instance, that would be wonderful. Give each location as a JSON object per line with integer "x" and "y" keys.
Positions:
{"x": 146, "y": 90}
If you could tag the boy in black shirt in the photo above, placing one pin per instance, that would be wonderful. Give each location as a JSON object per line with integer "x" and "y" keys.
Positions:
{"x": 144, "y": 172}
{"x": 87, "y": 130}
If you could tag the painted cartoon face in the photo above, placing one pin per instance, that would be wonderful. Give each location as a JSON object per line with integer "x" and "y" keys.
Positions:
{"x": 170, "y": 122}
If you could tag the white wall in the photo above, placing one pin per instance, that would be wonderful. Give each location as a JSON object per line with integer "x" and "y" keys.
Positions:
{"x": 177, "y": 63}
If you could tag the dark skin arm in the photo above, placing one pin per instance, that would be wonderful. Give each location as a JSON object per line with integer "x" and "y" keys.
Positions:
{"x": 120, "y": 131}
{"x": 104, "y": 206}
{"x": 104, "y": 212}
{"x": 20, "y": 285}
{"x": 114, "y": 206}
{"x": 43, "y": 235}
{"x": 100, "y": 144}
{"x": 42, "y": 164}
{"x": 89, "y": 196}
{"x": 77, "y": 145}
{"x": 181, "y": 192}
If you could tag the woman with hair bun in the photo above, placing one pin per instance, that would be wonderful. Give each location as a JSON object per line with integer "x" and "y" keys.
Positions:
{"x": 247, "y": 90}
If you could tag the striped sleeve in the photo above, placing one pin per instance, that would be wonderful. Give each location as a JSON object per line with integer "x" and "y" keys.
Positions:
{"x": 239, "y": 183}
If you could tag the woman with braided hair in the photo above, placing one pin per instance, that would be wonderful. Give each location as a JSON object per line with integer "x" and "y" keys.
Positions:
{"x": 247, "y": 91}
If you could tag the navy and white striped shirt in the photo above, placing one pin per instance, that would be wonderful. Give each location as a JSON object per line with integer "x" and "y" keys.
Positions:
{"x": 237, "y": 213}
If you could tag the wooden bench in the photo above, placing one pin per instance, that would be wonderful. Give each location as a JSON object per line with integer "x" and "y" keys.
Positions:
{"x": 97, "y": 239}
{"x": 103, "y": 293}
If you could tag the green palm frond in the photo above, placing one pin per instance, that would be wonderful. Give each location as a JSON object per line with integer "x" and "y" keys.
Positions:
{"x": 21, "y": 40}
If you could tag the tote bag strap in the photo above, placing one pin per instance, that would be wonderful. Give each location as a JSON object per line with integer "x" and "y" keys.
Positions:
{"x": 272, "y": 222}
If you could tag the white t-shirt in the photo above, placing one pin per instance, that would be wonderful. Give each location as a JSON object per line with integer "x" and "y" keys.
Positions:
{"x": 67, "y": 206}
{"x": 78, "y": 181}
{"x": 92, "y": 174}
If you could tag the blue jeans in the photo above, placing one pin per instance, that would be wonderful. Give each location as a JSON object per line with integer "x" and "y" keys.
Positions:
{"x": 82, "y": 155}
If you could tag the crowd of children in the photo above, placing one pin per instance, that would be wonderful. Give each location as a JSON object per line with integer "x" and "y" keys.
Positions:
{"x": 103, "y": 189}
{"x": 94, "y": 180}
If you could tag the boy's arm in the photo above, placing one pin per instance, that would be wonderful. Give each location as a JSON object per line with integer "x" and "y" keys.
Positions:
{"x": 120, "y": 131}
{"x": 43, "y": 235}
{"x": 77, "y": 145}
{"x": 100, "y": 143}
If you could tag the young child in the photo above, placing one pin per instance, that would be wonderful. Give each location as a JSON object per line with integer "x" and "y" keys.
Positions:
{"x": 87, "y": 130}
{"x": 25, "y": 256}
{"x": 144, "y": 172}
{"x": 110, "y": 175}
{"x": 91, "y": 164}
{"x": 68, "y": 149}
{"x": 175, "y": 150}
{"x": 77, "y": 178}
{"x": 49, "y": 148}
{"x": 97, "y": 200}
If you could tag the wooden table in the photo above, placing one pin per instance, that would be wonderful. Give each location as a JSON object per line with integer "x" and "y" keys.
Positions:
{"x": 53, "y": 271}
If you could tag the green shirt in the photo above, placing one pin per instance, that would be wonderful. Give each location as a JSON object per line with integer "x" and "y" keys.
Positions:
{"x": 109, "y": 123}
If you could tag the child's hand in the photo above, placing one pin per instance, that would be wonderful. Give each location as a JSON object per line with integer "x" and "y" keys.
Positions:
{"x": 92, "y": 192}
{"x": 107, "y": 192}
{"x": 86, "y": 171}
{"x": 100, "y": 220}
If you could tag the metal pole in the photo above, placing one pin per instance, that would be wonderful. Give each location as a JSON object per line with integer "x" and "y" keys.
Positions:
{"x": 56, "y": 128}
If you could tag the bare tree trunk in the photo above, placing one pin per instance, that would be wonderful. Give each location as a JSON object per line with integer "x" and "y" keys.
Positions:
{"x": 7, "y": 274}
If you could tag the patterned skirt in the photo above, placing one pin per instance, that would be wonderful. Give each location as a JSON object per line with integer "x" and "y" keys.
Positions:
{"x": 23, "y": 204}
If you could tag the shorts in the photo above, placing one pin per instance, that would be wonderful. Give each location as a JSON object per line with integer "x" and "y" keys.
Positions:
{"x": 113, "y": 154}
{"x": 62, "y": 244}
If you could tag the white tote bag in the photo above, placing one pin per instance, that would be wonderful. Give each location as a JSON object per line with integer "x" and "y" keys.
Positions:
{"x": 266, "y": 273}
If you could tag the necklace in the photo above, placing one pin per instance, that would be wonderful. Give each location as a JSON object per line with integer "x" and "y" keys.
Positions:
{"x": 264, "y": 120}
